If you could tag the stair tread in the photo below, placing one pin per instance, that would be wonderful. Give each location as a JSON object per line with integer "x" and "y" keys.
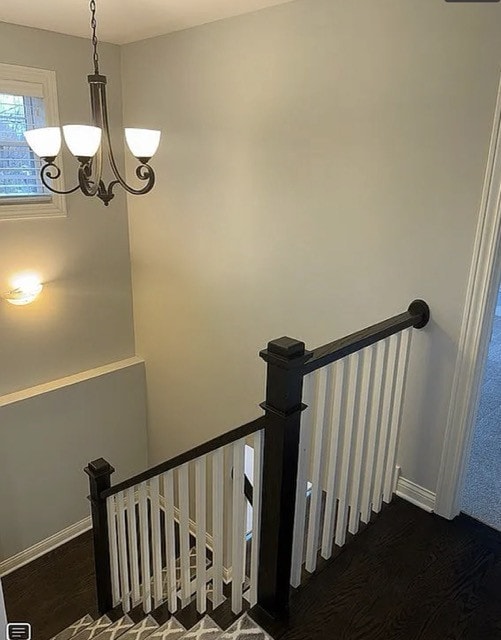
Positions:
{"x": 74, "y": 628}
{"x": 115, "y": 629}
{"x": 141, "y": 630}
{"x": 244, "y": 629}
{"x": 205, "y": 629}
{"x": 93, "y": 629}
{"x": 171, "y": 630}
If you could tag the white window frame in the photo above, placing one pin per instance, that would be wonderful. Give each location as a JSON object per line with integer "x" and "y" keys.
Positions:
{"x": 15, "y": 79}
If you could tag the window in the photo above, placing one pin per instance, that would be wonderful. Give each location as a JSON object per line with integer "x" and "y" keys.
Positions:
{"x": 19, "y": 166}
{"x": 27, "y": 100}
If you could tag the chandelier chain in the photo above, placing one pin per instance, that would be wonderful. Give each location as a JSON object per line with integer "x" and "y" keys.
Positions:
{"x": 93, "y": 25}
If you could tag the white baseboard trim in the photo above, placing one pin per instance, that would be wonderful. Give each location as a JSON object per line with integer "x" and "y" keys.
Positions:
{"x": 44, "y": 546}
{"x": 413, "y": 493}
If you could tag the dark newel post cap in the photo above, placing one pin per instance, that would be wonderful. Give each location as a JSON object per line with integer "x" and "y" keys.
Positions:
{"x": 286, "y": 347}
{"x": 286, "y": 352}
{"x": 421, "y": 310}
{"x": 99, "y": 467}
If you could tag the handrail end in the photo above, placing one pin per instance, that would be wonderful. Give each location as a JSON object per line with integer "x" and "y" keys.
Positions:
{"x": 421, "y": 310}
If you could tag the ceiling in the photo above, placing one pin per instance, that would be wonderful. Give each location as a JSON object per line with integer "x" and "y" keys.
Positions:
{"x": 122, "y": 21}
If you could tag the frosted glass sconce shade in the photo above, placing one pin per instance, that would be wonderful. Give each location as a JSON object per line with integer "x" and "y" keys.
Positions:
{"x": 26, "y": 289}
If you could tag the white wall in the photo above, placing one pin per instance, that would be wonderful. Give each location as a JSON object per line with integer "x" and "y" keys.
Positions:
{"x": 49, "y": 436}
{"x": 321, "y": 166}
{"x": 84, "y": 317}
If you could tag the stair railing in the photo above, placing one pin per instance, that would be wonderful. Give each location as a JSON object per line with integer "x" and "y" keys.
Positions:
{"x": 151, "y": 533}
{"x": 321, "y": 466}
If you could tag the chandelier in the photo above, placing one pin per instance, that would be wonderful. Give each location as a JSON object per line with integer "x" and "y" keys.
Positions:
{"x": 89, "y": 143}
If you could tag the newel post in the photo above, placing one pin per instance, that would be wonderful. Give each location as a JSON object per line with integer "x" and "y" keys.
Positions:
{"x": 285, "y": 358}
{"x": 99, "y": 472}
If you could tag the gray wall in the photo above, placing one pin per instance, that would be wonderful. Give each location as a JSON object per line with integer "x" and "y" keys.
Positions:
{"x": 321, "y": 166}
{"x": 84, "y": 317}
{"x": 82, "y": 320}
{"x": 48, "y": 439}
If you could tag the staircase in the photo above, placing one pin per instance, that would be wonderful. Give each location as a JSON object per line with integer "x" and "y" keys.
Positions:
{"x": 176, "y": 537}
{"x": 244, "y": 628}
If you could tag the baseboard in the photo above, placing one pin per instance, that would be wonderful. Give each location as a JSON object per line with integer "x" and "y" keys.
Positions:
{"x": 44, "y": 546}
{"x": 416, "y": 495}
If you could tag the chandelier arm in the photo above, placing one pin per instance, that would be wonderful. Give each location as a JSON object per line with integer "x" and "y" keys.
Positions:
{"x": 144, "y": 172}
{"x": 89, "y": 174}
{"x": 45, "y": 172}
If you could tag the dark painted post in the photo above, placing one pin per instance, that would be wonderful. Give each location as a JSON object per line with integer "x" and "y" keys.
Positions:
{"x": 284, "y": 390}
{"x": 99, "y": 472}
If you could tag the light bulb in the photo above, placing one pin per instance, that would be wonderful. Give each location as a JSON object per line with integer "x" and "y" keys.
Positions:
{"x": 45, "y": 142}
{"x": 143, "y": 143}
{"x": 83, "y": 140}
{"x": 26, "y": 288}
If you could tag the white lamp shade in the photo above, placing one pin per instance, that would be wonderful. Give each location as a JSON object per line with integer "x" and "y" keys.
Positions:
{"x": 82, "y": 140}
{"x": 26, "y": 289}
{"x": 45, "y": 142}
{"x": 143, "y": 143}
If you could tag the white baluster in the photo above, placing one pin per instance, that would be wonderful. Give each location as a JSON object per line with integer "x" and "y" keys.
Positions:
{"x": 302, "y": 483}
{"x": 144, "y": 532}
{"x": 112, "y": 535}
{"x": 319, "y": 420}
{"x": 133, "y": 551}
{"x": 348, "y": 419}
{"x": 384, "y": 426}
{"x": 184, "y": 532}
{"x": 256, "y": 514}
{"x": 170, "y": 541}
{"x": 375, "y": 406}
{"x": 365, "y": 365}
{"x": 217, "y": 526}
{"x": 201, "y": 508}
{"x": 155, "y": 541}
{"x": 122, "y": 552}
{"x": 396, "y": 414}
{"x": 333, "y": 408}
{"x": 238, "y": 528}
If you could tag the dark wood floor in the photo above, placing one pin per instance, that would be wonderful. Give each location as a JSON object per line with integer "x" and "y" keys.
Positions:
{"x": 54, "y": 590}
{"x": 408, "y": 576}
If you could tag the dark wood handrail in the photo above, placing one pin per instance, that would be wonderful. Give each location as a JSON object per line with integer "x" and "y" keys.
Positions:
{"x": 417, "y": 316}
{"x": 202, "y": 450}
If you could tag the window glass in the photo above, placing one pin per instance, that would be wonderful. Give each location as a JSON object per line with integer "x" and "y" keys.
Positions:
{"x": 19, "y": 166}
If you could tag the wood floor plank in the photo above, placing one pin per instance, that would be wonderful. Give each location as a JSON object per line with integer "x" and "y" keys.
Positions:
{"x": 54, "y": 590}
{"x": 409, "y": 576}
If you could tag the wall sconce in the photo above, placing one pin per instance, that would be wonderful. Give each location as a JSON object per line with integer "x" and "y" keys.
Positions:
{"x": 25, "y": 289}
